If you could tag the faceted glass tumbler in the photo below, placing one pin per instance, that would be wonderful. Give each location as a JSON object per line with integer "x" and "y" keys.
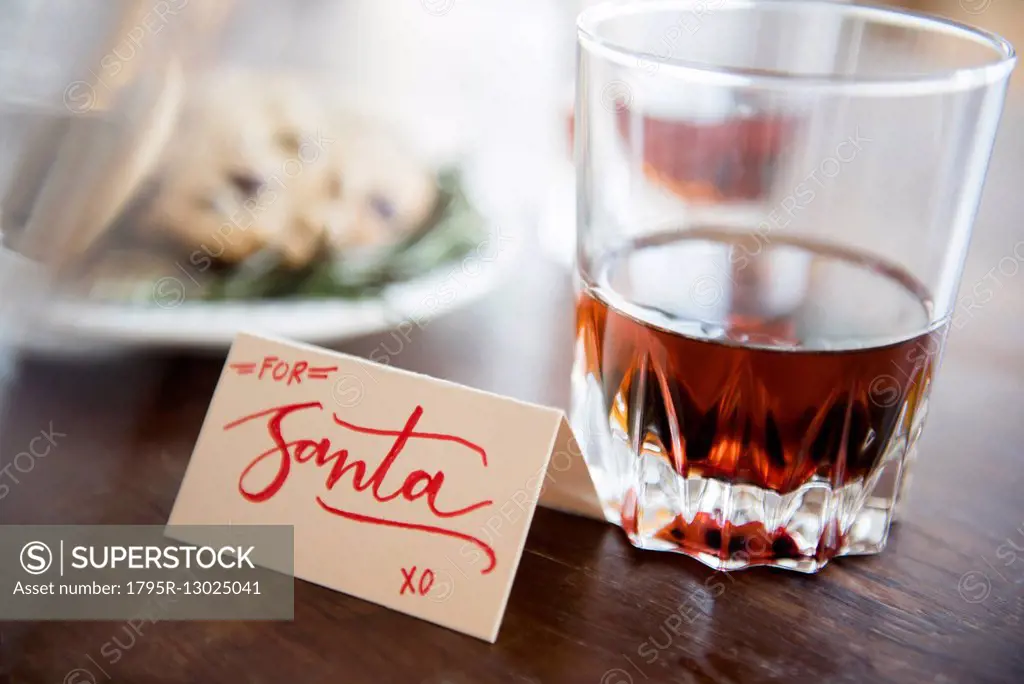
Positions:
{"x": 774, "y": 204}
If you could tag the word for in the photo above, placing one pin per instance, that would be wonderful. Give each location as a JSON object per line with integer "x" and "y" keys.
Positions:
{"x": 278, "y": 370}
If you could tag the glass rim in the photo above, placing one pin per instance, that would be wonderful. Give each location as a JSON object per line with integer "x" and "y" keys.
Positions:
{"x": 1004, "y": 55}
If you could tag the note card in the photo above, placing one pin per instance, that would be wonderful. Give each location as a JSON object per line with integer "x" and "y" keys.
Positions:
{"x": 411, "y": 492}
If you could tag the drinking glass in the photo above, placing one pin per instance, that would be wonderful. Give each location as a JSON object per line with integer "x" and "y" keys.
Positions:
{"x": 774, "y": 203}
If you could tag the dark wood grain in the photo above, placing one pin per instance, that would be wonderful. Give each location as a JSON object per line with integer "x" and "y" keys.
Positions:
{"x": 942, "y": 605}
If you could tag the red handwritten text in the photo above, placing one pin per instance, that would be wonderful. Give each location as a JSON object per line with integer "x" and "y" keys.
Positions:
{"x": 280, "y": 370}
{"x": 426, "y": 581}
{"x": 417, "y": 484}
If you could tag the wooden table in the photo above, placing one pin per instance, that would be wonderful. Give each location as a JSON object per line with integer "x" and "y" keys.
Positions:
{"x": 944, "y": 604}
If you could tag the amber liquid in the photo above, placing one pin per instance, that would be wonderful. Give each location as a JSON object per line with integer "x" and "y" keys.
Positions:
{"x": 775, "y": 364}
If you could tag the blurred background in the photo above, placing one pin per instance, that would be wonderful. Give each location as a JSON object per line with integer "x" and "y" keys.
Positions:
{"x": 391, "y": 178}
{"x": 175, "y": 171}
{"x": 335, "y": 171}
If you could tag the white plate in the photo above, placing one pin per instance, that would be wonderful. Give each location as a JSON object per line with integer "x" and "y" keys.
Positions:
{"x": 174, "y": 321}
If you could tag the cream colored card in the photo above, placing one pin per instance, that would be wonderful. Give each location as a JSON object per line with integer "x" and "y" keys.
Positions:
{"x": 411, "y": 492}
